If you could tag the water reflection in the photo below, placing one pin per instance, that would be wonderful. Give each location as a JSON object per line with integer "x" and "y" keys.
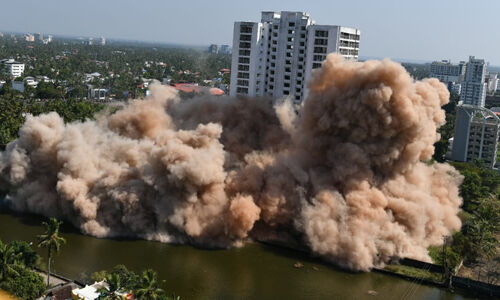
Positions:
{"x": 254, "y": 271}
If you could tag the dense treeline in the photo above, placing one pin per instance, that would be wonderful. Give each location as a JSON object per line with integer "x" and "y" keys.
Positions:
{"x": 476, "y": 244}
{"x": 13, "y": 113}
{"x": 17, "y": 259}
{"x": 122, "y": 66}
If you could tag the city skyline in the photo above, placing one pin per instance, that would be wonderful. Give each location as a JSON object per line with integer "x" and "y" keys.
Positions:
{"x": 423, "y": 31}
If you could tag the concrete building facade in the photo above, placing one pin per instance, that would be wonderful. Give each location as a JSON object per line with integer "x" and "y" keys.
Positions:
{"x": 213, "y": 49}
{"x": 476, "y": 135}
{"x": 14, "y": 68}
{"x": 448, "y": 72}
{"x": 474, "y": 87}
{"x": 275, "y": 57}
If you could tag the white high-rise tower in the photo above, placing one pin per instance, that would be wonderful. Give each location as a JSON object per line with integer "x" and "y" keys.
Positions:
{"x": 275, "y": 57}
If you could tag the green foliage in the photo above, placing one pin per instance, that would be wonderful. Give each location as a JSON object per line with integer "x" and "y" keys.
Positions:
{"x": 122, "y": 66}
{"x": 447, "y": 130}
{"x": 452, "y": 254}
{"x": 51, "y": 240}
{"x": 25, "y": 254}
{"x": 26, "y": 284}
{"x": 15, "y": 276}
{"x": 13, "y": 112}
{"x": 149, "y": 289}
{"x": 144, "y": 286}
{"x": 414, "y": 272}
{"x": 46, "y": 90}
{"x": 114, "y": 288}
{"x": 479, "y": 182}
{"x": 8, "y": 258}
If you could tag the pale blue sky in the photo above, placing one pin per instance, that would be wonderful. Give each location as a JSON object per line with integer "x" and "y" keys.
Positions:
{"x": 412, "y": 29}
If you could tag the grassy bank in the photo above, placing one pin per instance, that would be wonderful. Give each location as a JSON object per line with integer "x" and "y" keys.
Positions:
{"x": 414, "y": 272}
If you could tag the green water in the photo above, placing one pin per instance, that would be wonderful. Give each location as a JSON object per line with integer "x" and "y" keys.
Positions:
{"x": 252, "y": 272}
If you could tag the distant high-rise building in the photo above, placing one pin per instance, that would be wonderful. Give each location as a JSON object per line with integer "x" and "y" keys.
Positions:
{"x": 213, "y": 49}
{"x": 275, "y": 57}
{"x": 29, "y": 37}
{"x": 474, "y": 86}
{"x": 49, "y": 38}
{"x": 492, "y": 82}
{"x": 39, "y": 37}
{"x": 476, "y": 135}
{"x": 447, "y": 72}
{"x": 225, "y": 49}
{"x": 103, "y": 41}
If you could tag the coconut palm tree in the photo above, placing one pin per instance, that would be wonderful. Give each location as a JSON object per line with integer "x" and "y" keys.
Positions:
{"x": 114, "y": 288}
{"x": 51, "y": 240}
{"x": 7, "y": 260}
{"x": 149, "y": 286}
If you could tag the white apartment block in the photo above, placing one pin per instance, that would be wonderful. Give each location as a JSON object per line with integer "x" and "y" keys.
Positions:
{"x": 476, "y": 135}
{"x": 275, "y": 57}
{"x": 14, "y": 68}
{"x": 447, "y": 72}
{"x": 492, "y": 81}
{"x": 474, "y": 86}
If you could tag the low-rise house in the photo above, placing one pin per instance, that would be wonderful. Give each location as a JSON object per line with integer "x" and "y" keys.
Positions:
{"x": 30, "y": 81}
{"x": 13, "y": 68}
{"x": 96, "y": 93}
{"x": 90, "y": 292}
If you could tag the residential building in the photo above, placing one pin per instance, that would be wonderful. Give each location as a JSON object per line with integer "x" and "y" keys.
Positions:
{"x": 455, "y": 87}
{"x": 103, "y": 41}
{"x": 213, "y": 49}
{"x": 448, "y": 72}
{"x": 474, "y": 86}
{"x": 29, "y": 37}
{"x": 492, "y": 82}
{"x": 96, "y": 93}
{"x": 39, "y": 37}
{"x": 275, "y": 57}
{"x": 225, "y": 49}
{"x": 14, "y": 68}
{"x": 30, "y": 81}
{"x": 476, "y": 135}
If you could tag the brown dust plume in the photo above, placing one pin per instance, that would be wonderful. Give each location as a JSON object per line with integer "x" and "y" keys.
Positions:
{"x": 347, "y": 176}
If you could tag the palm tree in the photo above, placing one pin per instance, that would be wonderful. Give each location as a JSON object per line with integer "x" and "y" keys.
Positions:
{"x": 51, "y": 240}
{"x": 114, "y": 287}
{"x": 7, "y": 260}
{"x": 149, "y": 286}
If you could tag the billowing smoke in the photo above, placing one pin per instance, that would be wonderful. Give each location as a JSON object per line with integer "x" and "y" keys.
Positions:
{"x": 348, "y": 176}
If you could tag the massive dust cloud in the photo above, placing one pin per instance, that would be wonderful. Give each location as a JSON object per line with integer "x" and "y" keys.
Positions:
{"x": 347, "y": 177}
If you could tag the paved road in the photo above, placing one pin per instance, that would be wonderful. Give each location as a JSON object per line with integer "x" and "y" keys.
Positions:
{"x": 53, "y": 280}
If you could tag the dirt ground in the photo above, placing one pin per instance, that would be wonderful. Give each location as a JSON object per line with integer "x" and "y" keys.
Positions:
{"x": 5, "y": 296}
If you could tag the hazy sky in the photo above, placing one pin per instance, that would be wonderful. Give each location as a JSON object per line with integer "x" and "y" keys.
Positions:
{"x": 411, "y": 29}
